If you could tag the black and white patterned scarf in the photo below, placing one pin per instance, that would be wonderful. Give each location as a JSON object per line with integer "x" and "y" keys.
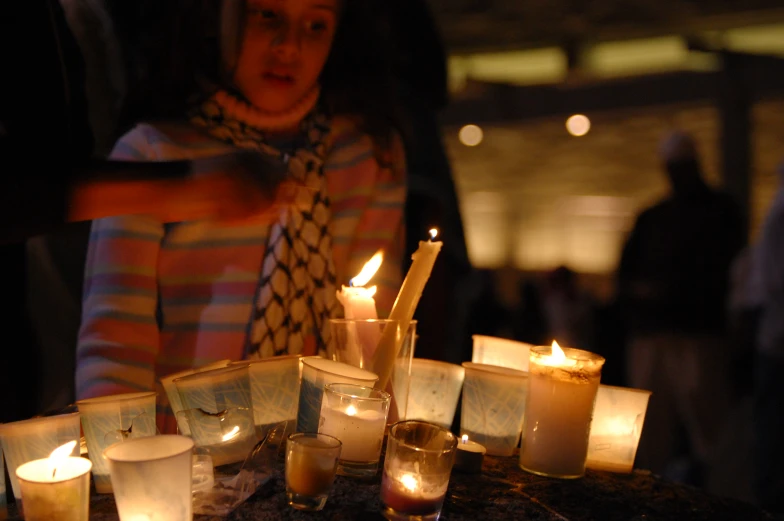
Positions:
{"x": 296, "y": 294}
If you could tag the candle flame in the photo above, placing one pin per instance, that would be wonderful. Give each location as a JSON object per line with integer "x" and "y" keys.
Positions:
{"x": 559, "y": 357}
{"x": 351, "y": 410}
{"x": 232, "y": 433}
{"x": 368, "y": 270}
{"x": 410, "y": 482}
{"x": 60, "y": 454}
{"x": 433, "y": 233}
{"x": 464, "y": 438}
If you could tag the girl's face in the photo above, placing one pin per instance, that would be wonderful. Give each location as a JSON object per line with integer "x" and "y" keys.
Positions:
{"x": 284, "y": 47}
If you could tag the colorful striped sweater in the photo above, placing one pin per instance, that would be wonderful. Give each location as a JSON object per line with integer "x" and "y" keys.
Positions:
{"x": 163, "y": 298}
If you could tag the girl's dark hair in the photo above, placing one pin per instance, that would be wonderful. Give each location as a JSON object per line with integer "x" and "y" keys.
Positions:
{"x": 172, "y": 56}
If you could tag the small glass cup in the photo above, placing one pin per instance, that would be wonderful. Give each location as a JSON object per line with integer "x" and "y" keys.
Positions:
{"x": 418, "y": 463}
{"x": 357, "y": 416}
{"x": 311, "y": 461}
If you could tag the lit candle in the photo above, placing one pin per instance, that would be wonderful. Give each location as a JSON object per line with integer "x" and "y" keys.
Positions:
{"x": 357, "y": 416}
{"x": 469, "y": 456}
{"x": 358, "y": 304}
{"x": 405, "y": 306}
{"x": 405, "y": 494}
{"x": 562, "y": 389}
{"x": 56, "y": 488}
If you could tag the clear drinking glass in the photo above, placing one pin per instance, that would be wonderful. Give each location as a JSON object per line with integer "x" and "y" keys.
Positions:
{"x": 311, "y": 461}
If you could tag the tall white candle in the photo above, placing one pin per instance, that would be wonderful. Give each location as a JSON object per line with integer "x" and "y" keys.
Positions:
{"x": 561, "y": 393}
{"x": 405, "y": 306}
{"x": 358, "y": 304}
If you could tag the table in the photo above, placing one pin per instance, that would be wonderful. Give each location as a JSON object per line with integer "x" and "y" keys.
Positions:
{"x": 502, "y": 491}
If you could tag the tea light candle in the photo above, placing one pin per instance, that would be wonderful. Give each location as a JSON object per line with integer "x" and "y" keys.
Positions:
{"x": 56, "y": 488}
{"x": 469, "y": 456}
{"x": 406, "y": 495}
{"x": 310, "y": 473}
{"x": 361, "y": 432}
{"x": 559, "y": 409}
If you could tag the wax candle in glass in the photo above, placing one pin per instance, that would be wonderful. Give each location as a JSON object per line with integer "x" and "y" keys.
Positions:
{"x": 152, "y": 478}
{"x": 311, "y": 461}
{"x": 562, "y": 389}
{"x": 417, "y": 466}
{"x": 357, "y": 416}
{"x": 56, "y": 488}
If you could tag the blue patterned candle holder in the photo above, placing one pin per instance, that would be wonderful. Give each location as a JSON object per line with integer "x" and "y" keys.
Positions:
{"x": 110, "y": 419}
{"x": 316, "y": 374}
{"x": 227, "y": 436}
{"x": 216, "y": 390}
{"x": 33, "y": 439}
{"x": 493, "y": 407}
{"x": 173, "y": 395}
{"x": 435, "y": 391}
{"x": 274, "y": 386}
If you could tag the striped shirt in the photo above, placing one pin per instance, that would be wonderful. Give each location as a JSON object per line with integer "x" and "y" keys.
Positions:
{"x": 161, "y": 298}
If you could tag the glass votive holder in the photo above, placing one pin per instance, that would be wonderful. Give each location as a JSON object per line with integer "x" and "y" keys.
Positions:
{"x": 561, "y": 393}
{"x": 417, "y": 466}
{"x": 152, "y": 477}
{"x": 311, "y": 461}
{"x": 357, "y": 416}
{"x": 355, "y": 343}
{"x": 618, "y": 417}
{"x": 173, "y": 396}
{"x": 493, "y": 408}
{"x": 36, "y": 438}
{"x": 274, "y": 385}
{"x": 502, "y": 352}
{"x": 316, "y": 374}
{"x": 435, "y": 391}
{"x": 228, "y": 436}
{"x": 107, "y": 420}
{"x": 55, "y": 488}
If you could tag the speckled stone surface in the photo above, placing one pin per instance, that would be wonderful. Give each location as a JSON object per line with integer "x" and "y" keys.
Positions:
{"x": 502, "y": 491}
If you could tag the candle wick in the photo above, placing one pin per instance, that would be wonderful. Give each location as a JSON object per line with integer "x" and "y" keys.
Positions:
{"x": 54, "y": 471}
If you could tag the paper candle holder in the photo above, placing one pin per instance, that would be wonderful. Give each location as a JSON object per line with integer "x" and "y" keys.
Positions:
{"x": 36, "y": 438}
{"x": 228, "y": 436}
{"x": 435, "y": 391}
{"x": 274, "y": 385}
{"x": 494, "y": 401}
{"x": 173, "y": 395}
{"x": 152, "y": 477}
{"x": 106, "y": 420}
{"x": 502, "y": 352}
{"x": 316, "y": 374}
{"x": 618, "y": 418}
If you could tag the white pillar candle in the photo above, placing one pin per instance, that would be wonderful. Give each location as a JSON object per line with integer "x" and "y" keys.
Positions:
{"x": 56, "y": 488}
{"x": 559, "y": 408}
{"x": 405, "y": 306}
{"x": 358, "y": 304}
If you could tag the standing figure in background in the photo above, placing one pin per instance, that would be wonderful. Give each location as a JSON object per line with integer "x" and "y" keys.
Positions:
{"x": 673, "y": 285}
{"x": 768, "y": 480}
{"x": 568, "y": 309}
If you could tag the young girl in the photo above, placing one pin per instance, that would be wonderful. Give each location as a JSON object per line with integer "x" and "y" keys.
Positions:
{"x": 304, "y": 80}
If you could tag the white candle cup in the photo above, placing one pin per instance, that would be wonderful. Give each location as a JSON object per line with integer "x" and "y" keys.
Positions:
{"x": 357, "y": 416}
{"x": 152, "y": 478}
{"x": 355, "y": 343}
{"x": 492, "y": 350}
{"x": 109, "y": 419}
{"x": 227, "y": 436}
{"x": 58, "y": 492}
{"x": 311, "y": 460}
{"x": 559, "y": 408}
{"x": 34, "y": 439}
{"x": 274, "y": 385}
{"x": 469, "y": 456}
{"x": 417, "y": 467}
{"x": 216, "y": 390}
{"x": 618, "y": 417}
{"x": 434, "y": 391}
{"x": 494, "y": 401}
{"x": 318, "y": 373}
{"x": 173, "y": 396}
